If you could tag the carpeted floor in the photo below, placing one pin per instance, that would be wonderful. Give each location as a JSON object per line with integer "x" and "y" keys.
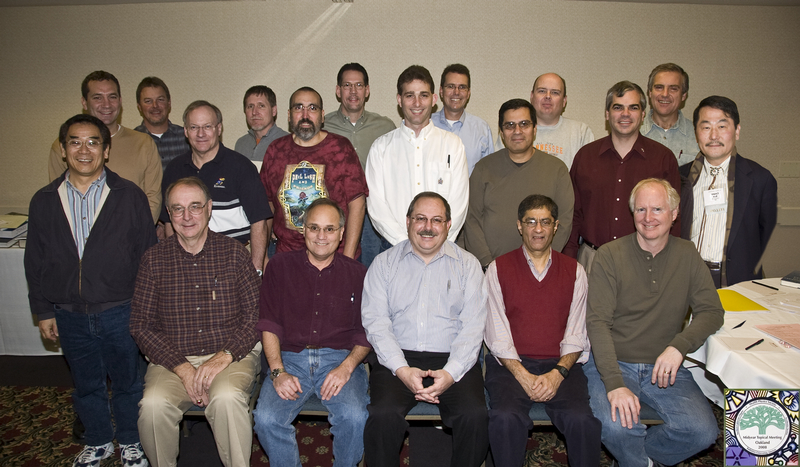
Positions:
{"x": 36, "y": 424}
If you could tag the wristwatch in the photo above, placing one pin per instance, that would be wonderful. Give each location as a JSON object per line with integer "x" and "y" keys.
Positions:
{"x": 274, "y": 374}
{"x": 564, "y": 372}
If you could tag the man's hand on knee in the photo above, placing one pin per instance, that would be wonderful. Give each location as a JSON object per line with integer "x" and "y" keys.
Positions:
{"x": 186, "y": 372}
{"x": 206, "y": 372}
{"x": 666, "y": 368}
{"x": 287, "y": 386}
{"x": 628, "y": 405}
{"x": 335, "y": 381}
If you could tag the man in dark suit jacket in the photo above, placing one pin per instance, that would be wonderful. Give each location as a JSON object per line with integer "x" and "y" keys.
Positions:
{"x": 729, "y": 204}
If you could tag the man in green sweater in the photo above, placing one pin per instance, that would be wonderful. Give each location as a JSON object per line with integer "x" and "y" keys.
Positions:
{"x": 640, "y": 289}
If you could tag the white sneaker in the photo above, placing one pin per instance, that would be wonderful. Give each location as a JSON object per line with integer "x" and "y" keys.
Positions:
{"x": 92, "y": 455}
{"x": 132, "y": 455}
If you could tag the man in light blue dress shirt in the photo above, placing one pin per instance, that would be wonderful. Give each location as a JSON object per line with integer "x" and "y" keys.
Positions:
{"x": 424, "y": 310}
{"x": 454, "y": 90}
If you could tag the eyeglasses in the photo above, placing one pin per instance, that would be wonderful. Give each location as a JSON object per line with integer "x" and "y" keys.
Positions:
{"x": 208, "y": 128}
{"x": 436, "y": 221}
{"x": 194, "y": 209}
{"x": 312, "y": 108}
{"x": 523, "y": 125}
{"x": 316, "y": 229}
{"x": 89, "y": 143}
{"x": 531, "y": 223}
{"x": 349, "y": 86}
{"x": 452, "y": 87}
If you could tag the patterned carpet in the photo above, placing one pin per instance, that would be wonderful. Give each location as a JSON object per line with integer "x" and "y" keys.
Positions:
{"x": 36, "y": 425}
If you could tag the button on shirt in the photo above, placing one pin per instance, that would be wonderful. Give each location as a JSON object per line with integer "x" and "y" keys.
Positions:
{"x": 83, "y": 208}
{"x": 199, "y": 304}
{"x": 498, "y": 330}
{"x": 474, "y": 133}
{"x": 303, "y": 306}
{"x": 679, "y": 138}
{"x": 401, "y": 165}
{"x": 434, "y": 307}
{"x": 713, "y": 240}
{"x": 603, "y": 182}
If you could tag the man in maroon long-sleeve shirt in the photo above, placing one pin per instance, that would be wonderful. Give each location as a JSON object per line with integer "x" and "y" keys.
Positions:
{"x": 605, "y": 171}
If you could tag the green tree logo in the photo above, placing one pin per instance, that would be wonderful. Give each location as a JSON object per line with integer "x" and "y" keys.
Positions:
{"x": 763, "y": 416}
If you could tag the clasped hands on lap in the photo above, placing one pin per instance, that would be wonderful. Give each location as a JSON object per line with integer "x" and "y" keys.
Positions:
{"x": 414, "y": 379}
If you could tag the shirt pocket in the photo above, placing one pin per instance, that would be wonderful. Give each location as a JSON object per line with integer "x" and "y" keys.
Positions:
{"x": 443, "y": 175}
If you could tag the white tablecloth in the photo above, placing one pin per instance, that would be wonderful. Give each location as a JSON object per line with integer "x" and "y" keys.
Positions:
{"x": 19, "y": 334}
{"x": 755, "y": 368}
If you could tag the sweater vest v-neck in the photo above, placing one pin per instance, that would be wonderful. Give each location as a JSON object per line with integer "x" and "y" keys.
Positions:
{"x": 537, "y": 311}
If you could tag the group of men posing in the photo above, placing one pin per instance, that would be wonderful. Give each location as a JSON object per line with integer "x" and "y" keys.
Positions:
{"x": 591, "y": 261}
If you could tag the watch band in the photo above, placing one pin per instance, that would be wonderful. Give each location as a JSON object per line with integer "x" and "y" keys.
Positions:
{"x": 564, "y": 372}
{"x": 275, "y": 373}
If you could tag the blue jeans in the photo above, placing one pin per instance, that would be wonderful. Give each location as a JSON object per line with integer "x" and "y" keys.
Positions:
{"x": 370, "y": 242}
{"x": 98, "y": 347}
{"x": 347, "y": 410}
{"x": 689, "y": 423}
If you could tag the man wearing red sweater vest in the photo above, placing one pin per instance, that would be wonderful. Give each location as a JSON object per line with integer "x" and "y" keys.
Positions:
{"x": 536, "y": 329}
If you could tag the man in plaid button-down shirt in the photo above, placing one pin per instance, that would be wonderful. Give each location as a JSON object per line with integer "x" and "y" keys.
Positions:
{"x": 194, "y": 313}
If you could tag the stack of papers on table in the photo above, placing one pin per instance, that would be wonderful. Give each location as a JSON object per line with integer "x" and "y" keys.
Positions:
{"x": 13, "y": 227}
{"x": 788, "y": 333}
{"x": 733, "y": 301}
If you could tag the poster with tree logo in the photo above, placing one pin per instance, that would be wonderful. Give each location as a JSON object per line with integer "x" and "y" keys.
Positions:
{"x": 761, "y": 427}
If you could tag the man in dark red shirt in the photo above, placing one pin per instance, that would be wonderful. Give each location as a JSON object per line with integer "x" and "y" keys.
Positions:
{"x": 311, "y": 164}
{"x": 310, "y": 315}
{"x": 605, "y": 171}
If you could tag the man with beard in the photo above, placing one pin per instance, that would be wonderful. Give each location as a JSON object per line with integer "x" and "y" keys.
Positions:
{"x": 310, "y": 164}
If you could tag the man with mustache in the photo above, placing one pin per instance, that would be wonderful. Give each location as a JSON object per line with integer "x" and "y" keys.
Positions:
{"x": 667, "y": 88}
{"x": 424, "y": 310}
{"x": 309, "y": 164}
{"x": 604, "y": 172}
{"x": 722, "y": 188}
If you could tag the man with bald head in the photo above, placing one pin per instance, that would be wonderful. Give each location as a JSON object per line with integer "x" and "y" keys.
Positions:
{"x": 555, "y": 134}
{"x": 309, "y": 164}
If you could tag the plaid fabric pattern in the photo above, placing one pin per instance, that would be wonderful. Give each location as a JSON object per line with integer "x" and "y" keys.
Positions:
{"x": 195, "y": 304}
{"x": 170, "y": 145}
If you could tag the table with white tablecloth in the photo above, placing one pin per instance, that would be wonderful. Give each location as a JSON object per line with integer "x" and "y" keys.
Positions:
{"x": 19, "y": 333}
{"x": 769, "y": 365}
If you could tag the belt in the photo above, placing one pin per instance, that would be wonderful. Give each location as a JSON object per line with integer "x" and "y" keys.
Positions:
{"x": 587, "y": 243}
{"x": 313, "y": 347}
{"x": 713, "y": 266}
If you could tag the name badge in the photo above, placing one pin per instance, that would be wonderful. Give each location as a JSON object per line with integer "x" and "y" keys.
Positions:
{"x": 715, "y": 201}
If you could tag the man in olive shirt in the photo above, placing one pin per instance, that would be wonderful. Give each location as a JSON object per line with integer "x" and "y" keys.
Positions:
{"x": 640, "y": 289}
{"x": 361, "y": 128}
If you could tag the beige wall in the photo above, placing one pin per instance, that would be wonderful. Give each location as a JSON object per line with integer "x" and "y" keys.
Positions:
{"x": 216, "y": 50}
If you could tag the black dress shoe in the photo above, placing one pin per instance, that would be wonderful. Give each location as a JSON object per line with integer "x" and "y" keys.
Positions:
{"x": 78, "y": 431}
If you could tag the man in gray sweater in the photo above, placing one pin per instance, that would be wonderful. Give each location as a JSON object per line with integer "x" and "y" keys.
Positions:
{"x": 640, "y": 289}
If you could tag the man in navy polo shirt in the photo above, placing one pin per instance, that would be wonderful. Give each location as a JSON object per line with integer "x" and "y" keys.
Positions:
{"x": 241, "y": 210}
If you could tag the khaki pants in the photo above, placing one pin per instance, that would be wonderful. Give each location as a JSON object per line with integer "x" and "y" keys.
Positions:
{"x": 586, "y": 257}
{"x": 165, "y": 400}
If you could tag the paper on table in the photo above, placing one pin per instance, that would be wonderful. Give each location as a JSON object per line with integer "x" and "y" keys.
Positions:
{"x": 789, "y": 333}
{"x": 12, "y": 221}
{"x": 734, "y": 301}
{"x": 740, "y": 343}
